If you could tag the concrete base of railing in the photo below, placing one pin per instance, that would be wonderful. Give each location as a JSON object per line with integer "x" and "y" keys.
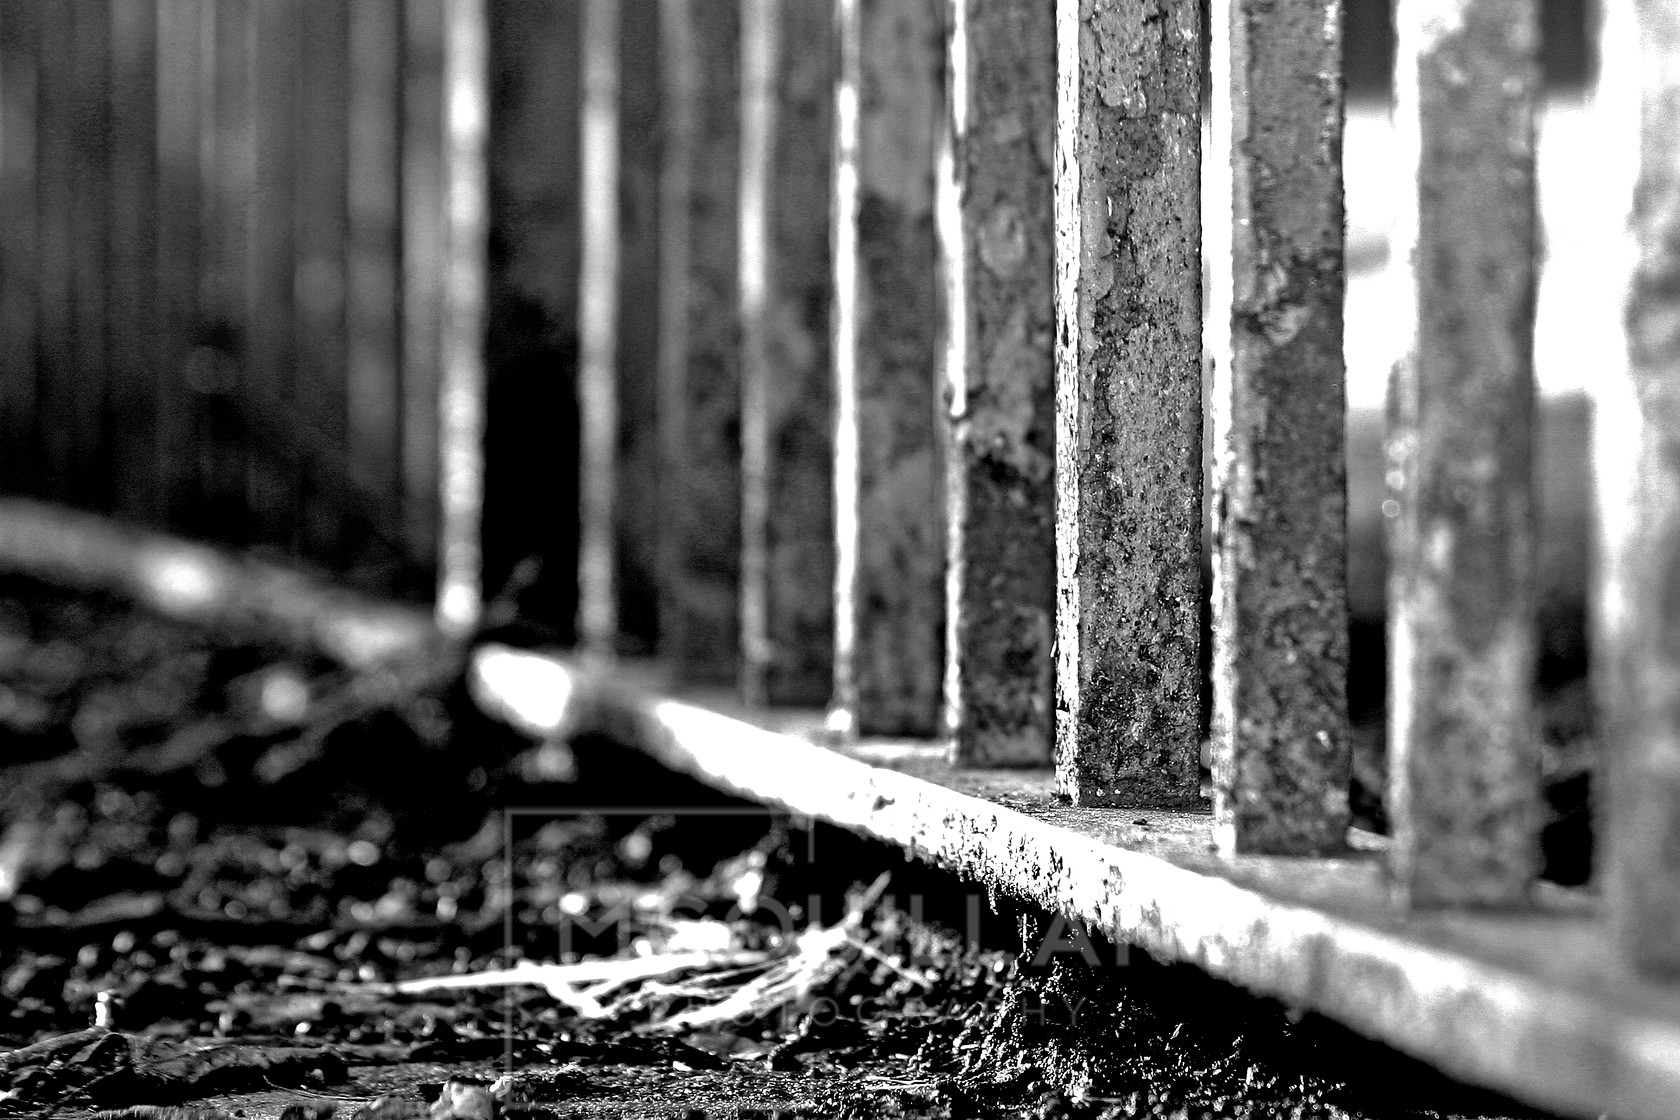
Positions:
{"x": 1531, "y": 1003}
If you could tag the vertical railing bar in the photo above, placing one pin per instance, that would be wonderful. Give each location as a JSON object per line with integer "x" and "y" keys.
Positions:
{"x": 222, "y": 360}
{"x": 760, "y": 34}
{"x": 374, "y": 403}
{"x": 1637, "y": 453}
{"x": 1128, "y": 401}
{"x": 848, "y": 25}
{"x": 995, "y": 234}
{"x": 422, "y": 265}
{"x": 321, "y": 226}
{"x": 953, "y": 366}
{"x": 19, "y": 145}
{"x": 87, "y": 471}
{"x": 787, "y": 485}
{"x": 598, "y": 329}
{"x": 889, "y": 543}
{"x": 178, "y": 127}
{"x": 1281, "y": 756}
{"x": 462, "y": 381}
{"x": 1463, "y": 741}
{"x": 699, "y": 404}
{"x": 680, "y": 90}
{"x": 131, "y": 348}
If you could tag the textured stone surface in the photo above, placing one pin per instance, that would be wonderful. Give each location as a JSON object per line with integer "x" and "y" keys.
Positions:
{"x": 1638, "y": 652}
{"x": 787, "y": 519}
{"x": 1463, "y": 746}
{"x": 1000, "y": 375}
{"x": 700, "y": 390}
{"x": 1128, "y": 401}
{"x": 1280, "y": 629}
{"x": 1529, "y": 1003}
{"x": 889, "y": 659}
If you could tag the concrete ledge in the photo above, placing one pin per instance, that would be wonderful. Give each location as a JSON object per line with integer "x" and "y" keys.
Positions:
{"x": 1532, "y": 1003}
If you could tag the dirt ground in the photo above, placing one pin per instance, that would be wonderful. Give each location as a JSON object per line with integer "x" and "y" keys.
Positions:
{"x": 227, "y": 871}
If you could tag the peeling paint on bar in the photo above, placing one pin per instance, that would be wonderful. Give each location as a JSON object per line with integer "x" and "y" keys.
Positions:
{"x": 787, "y": 531}
{"x": 1463, "y": 739}
{"x": 1128, "y": 401}
{"x": 1638, "y": 652}
{"x": 1281, "y": 757}
{"x": 700, "y": 397}
{"x": 996, "y": 235}
{"x": 889, "y": 581}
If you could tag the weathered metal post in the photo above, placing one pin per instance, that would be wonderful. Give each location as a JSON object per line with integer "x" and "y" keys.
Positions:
{"x": 1638, "y": 458}
{"x": 889, "y": 588}
{"x": 1281, "y": 762}
{"x": 1463, "y": 742}
{"x": 787, "y": 534}
{"x": 699, "y": 379}
{"x": 461, "y": 387}
{"x": 1128, "y": 402}
{"x": 996, "y": 235}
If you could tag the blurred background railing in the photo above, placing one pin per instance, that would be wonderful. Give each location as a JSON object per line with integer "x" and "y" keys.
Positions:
{"x": 221, "y": 274}
{"x": 221, "y": 230}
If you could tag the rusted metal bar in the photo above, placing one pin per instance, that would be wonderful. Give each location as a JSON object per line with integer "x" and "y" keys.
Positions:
{"x": 1638, "y": 453}
{"x": 461, "y": 387}
{"x": 700, "y": 390}
{"x": 889, "y": 589}
{"x": 1128, "y": 403}
{"x": 1281, "y": 759}
{"x": 996, "y": 242}
{"x": 787, "y": 537}
{"x": 598, "y": 329}
{"x": 1463, "y": 743}
{"x": 422, "y": 277}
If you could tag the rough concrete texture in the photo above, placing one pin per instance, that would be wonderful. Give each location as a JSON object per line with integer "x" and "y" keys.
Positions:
{"x": 1001, "y": 374}
{"x": 1128, "y": 400}
{"x": 1527, "y": 1003}
{"x": 1463, "y": 745}
{"x": 787, "y": 398}
{"x": 1280, "y": 628}
{"x": 1638, "y": 653}
{"x": 700, "y": 393}
{"x": 887, "y": 677}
